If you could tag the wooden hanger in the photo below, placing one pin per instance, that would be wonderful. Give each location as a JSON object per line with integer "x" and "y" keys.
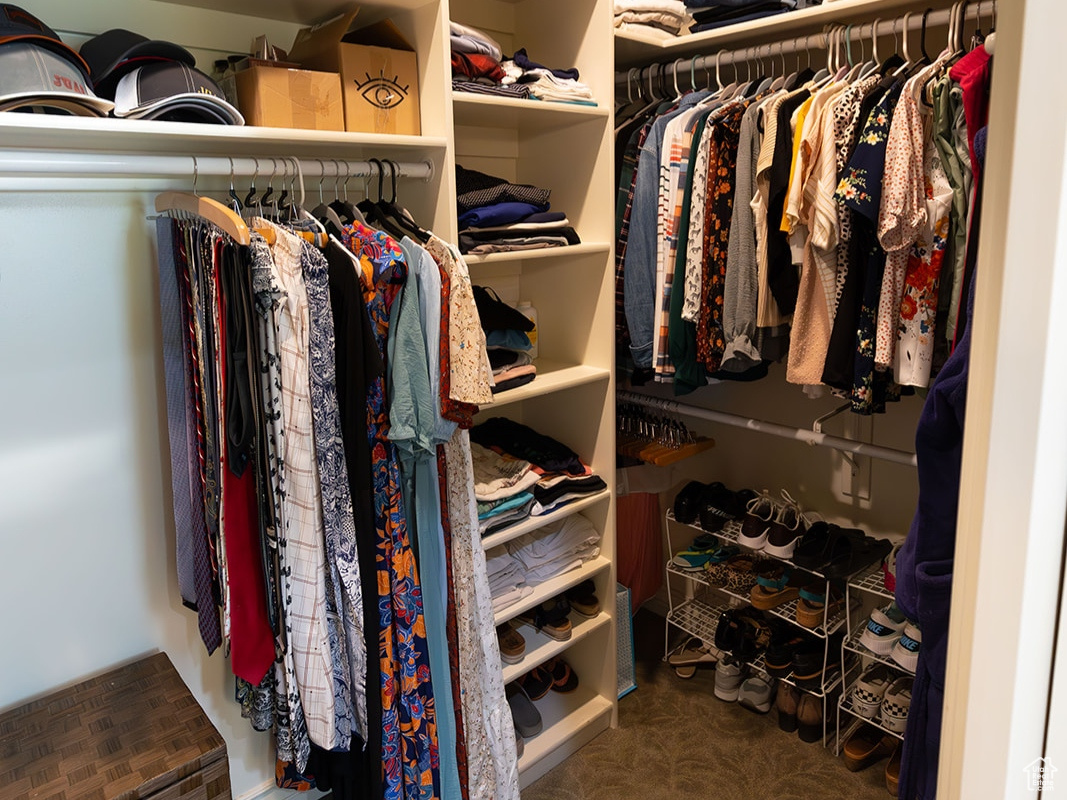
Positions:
{"x": 213, "y": 211}
{"x": 206, "y": 208}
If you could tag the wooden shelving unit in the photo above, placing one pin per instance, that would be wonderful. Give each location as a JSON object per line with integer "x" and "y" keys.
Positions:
{"x": 566, "y": 148}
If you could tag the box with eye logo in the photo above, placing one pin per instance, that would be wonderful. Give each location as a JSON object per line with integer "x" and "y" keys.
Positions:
{"x": 378, "y": 69}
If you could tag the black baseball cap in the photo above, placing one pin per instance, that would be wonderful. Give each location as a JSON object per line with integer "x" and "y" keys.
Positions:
{"x": 116, "y": 52}
{"x": 18, "y": 24}
{"x": 173, "y": 91}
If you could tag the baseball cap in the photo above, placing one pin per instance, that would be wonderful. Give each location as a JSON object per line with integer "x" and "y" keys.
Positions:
{"x": 116, "y": 52}
{"x": 173, "y": 91}
{"x": 34, "y": 77}
{"x": 18, "y": 24}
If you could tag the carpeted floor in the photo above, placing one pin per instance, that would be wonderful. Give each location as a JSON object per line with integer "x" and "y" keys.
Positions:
{"x": 675, "y": 741}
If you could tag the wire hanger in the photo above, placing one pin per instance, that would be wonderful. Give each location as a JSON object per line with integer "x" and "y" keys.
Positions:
{"x": 205, "y": 208}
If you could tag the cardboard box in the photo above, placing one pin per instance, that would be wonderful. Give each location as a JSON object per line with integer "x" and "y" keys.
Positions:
{"x": 276, "y": 97}
{"x": 378, "y": 69}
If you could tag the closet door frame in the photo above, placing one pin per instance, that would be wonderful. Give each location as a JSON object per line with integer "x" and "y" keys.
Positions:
{"x": 1009, "y": 552}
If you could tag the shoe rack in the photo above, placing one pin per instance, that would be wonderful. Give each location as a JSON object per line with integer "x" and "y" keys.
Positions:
{"x": 696, "y": 606}
{"x": 865, "y": 591}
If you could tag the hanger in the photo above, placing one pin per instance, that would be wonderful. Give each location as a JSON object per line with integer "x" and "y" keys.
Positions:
{"x": 204, "y": 207}
{"x": 785, "y": 77}
{"x": 909, "y": 62}
{"x": 345, "y": 210}
{"x": 235, "y": 202}
{"x": 323, "y": 212}
{"x": 677, "y": 91}
{"x": 250, "y": 198}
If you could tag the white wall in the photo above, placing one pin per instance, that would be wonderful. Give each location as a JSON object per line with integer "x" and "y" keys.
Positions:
{"x": 84, "y": 506}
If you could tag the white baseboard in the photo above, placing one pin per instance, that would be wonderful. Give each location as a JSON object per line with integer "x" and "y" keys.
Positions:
{"x": 269, "y": 791}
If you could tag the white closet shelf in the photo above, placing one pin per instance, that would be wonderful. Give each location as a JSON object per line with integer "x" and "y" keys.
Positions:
{"x": 488, "y": 111}
{"x": 540, "y": 647}
{"x": 585, "y": 248}
{"x": 638, "y": 49}
{"x": 550, "y": 588}
{"x": 569, "y": 721}
{"x": 30, "y": 131}
{"x": 302, "y": 11}
{"x": 552, "y": 376}
{"x": 533, "y": 523}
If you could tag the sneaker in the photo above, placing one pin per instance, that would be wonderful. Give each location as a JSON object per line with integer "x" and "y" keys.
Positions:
{"x": 906, "y": 651}
{"x": 757, "y": 522}
{"x": 686, "y": 502}
{"x": 728, "y": 678}
{"x": 788, "y": 526}
{"x": 883, "y": 629}
{"x": 869, "y": 691}
{"x": 756, "y": 694}
{"x": 889, "y": 569}
{"x": 896, "y": 704}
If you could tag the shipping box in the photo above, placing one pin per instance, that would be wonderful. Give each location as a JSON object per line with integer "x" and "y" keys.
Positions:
{"x": 378, "y": 69}
{"x": 277, "y": 97}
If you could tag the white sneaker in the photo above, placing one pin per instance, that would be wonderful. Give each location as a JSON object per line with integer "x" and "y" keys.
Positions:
{"x": 728, "y": 679}
{"x": 896, "y": 705}
{"x": 756, "y": 525}
{"x": 906, "y": 651}
{"x": 883, "y": 629}
{"x": 756, "y": 694}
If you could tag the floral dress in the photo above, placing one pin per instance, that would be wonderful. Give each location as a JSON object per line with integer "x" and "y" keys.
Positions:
{"x": 914, "y": 354}
{"x": 409, "y": 720}
{"x": 860, "y": 188}
{"x": 718, "y": 212}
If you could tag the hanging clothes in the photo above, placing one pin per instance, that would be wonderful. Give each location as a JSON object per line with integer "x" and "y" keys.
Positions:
{"x": 311, "y": 397}
{"x": 747, "y": 203}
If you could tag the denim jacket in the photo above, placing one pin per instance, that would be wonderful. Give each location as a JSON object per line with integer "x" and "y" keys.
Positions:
{"x": 639, "y": 267}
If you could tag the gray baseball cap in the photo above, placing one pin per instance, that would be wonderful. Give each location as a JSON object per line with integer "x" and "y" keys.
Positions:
{"x": 173, "y": 91}
{"x": 34, "y": 77}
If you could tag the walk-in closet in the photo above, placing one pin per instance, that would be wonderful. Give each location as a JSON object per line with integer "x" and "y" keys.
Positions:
{"x": 475, "y": 399}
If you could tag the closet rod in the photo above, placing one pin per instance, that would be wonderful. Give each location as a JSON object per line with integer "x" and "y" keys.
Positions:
{"x": 772, "y": 428}
{"x": 863, "y": 31}
{"x": 40, "y": 163}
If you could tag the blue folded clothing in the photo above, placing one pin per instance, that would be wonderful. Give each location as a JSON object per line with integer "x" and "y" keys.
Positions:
{"x": 522, "y": 60}
{"x": 498, "y": 214}
{"x": 511, "y": 339}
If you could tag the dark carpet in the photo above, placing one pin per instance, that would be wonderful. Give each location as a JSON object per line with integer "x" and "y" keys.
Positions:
{"x": 675, "y": 740}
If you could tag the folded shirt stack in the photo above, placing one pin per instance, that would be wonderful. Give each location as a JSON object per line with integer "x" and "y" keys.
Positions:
{"x": 546, "y": 83}
{"x": 498, "y": 216}
{"x": 563, "y": 477}
{"x": 711, "y": 14}
{"x": 555, "y": 549}
{"x": 511, "y": 368}
{"x": 506, "y": 339}
{"x": 507, "y": 578}
{"x": 495, "y": 515}
{"x": 476, "y": 58}
{"x": 669, "y": 17}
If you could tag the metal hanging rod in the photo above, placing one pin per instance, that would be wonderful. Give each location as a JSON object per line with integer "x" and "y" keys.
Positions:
{"x": 811, "y": 437}
{"x": 23, "y": 163}
{"x": 910, "y": 22}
